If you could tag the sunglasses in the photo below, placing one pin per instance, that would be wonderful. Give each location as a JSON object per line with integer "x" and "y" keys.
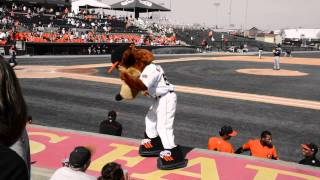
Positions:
{"x": 307, "y": 149}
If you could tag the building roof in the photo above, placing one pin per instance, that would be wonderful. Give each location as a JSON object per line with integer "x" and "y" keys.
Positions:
{"x": 301, "y": 33}
{"x": 254, "y": 29}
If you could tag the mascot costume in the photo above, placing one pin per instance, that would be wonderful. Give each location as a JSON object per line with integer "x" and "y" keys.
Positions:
{"x": 139, "y": 74}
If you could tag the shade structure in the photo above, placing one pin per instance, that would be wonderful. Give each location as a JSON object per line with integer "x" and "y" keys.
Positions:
{"x": 138, "y": 6}
{"x": 88, "y": 4}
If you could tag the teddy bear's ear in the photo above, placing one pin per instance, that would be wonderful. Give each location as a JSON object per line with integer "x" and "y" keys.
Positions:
{"x": 144, "y": 55}
{"x": 125, "y": 55}
{"x": 130, "y": 50}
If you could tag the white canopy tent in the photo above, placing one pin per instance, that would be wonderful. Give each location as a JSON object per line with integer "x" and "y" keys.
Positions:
{"x": 88, "y": 3}
{"x": 302, "y": 33}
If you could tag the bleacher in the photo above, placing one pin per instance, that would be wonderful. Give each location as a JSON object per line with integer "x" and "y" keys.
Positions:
{"x": 34, "y": 23}
{"x": 228, "y": 40}
{"x": 98, "y": 24}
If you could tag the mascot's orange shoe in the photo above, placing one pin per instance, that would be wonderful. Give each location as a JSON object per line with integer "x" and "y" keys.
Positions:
{"x": 171, "y": 159}
{"x": 150, "y": 147}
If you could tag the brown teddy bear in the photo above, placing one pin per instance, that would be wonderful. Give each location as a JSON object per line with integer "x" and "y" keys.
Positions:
{"x": 126, "y": 92}
{"x": 132, "y": 63}
{"x": 139, "y": 74}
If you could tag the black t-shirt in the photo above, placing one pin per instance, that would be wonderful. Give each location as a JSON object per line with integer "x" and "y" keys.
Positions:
{"x": 12, "y": 166}
{"x": 312, "y": 161}
{"x": 111, "y": 128}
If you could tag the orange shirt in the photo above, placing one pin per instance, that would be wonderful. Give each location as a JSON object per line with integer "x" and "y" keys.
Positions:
{"x": 258, "y": 150}
{"x": 218, "y": 144}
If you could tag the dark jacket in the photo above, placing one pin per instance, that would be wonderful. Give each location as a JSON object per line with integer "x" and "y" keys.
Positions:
{"x": 277, "y": 51}
{"x": 12, "y": 165}
{"x": 312, "y": 161}
{"x": 111, "y": 128}
{"x": 12, "y": 60}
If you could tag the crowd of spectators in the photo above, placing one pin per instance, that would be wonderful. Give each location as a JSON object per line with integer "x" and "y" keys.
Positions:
{"x": 65, "y": 36}
{"x": 44, "y": 25}
{"x": 163, "y": 33}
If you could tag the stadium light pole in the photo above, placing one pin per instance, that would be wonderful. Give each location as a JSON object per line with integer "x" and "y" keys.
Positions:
{"x": 246, "y": 15}
{"x": 217, "y": 4}
{"x": 230, "y": 12}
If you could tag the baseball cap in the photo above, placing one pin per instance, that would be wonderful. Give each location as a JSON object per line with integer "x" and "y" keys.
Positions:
{"x": 112, "y": 114}
{"x": 79, "y": 157}
{"x": 311, "y": 147}
{"x": 227, "y": 130}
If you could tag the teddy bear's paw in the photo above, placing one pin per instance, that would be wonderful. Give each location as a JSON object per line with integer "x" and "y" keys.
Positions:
{"x": 121, "y": 68}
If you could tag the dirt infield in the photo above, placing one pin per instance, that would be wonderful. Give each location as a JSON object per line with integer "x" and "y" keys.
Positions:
{"x": 42, "y": 71}
{"x": 270, "y": 72}
{"x": 87, "y": 72}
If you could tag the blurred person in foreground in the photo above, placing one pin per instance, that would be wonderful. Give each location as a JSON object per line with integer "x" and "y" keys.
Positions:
{"x": 309, "y": 152}
{"x": 13, "y": 120}
{"x": 75, "y": 167}
{"x": 221, "y": 143}
{"x": 262, "y": 147}
{"x": 113, "y": 171}
{"x": 110, "y": 125}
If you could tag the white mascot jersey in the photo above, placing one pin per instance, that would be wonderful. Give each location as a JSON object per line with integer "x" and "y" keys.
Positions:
{"x": 157, "y": 83}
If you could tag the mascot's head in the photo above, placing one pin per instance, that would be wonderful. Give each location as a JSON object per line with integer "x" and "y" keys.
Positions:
{"x": 130, "y": 56}
{"x": 137, "y": 58}
{"x": 132, "y": 63}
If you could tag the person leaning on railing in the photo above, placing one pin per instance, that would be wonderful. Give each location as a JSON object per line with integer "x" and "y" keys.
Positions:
{"x": 262, "y": 147}
{"x": 309, "y": 152}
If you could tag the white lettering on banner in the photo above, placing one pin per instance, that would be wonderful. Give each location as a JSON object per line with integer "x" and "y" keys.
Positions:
{"x": 147, "y": 3}
{"x": 126, "y": 2}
